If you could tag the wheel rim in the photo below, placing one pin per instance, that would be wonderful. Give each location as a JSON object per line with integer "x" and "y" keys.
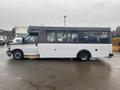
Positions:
{"x": 83, "y": 57}
{"x": 18, "y": 55}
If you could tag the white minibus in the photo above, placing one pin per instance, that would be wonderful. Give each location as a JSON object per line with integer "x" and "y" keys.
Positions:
{"x": 63, "y": 42}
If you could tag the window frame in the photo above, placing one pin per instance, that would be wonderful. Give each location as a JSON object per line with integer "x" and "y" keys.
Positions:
{"x": 36, "y": 41}
{"x": 46, "y": 41}
{"x": 78, "y": 32}
{"x": 63, "y": 32}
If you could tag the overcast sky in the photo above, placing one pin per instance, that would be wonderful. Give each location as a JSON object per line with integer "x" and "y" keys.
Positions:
{"x": 90, "y": 13}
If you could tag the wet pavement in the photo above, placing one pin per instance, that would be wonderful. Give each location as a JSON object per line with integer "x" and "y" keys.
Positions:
{"x": 59, "y": 74}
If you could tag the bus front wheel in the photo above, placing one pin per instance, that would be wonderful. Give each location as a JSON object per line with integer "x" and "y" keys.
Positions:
{"x": 17, "y": 54}
{"x": 83, "y": 56}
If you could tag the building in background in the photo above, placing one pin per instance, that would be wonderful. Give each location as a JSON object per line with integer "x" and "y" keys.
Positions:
{"x": 20, "y": 31}
{"x": 7, "y": 35}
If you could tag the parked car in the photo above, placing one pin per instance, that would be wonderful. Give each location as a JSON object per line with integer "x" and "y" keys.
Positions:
{"x": 2, "y": 42}
{"x": 17, "y": 40}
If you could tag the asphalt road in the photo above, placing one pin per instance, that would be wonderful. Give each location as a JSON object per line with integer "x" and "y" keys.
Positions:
{"x": 59, "y": 74}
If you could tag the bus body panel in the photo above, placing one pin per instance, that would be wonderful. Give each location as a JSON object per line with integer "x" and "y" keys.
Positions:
{"x": 28, "y": 49}
{"x": 64, "y": 50}
{"x": 71, "y": 50}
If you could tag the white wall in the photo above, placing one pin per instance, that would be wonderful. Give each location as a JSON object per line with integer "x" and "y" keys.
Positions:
{"x": 21, "y": 29}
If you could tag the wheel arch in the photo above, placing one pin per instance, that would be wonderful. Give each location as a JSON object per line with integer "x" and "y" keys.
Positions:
{"x": 17, "y": 49}
{"x": 84, "y": 50}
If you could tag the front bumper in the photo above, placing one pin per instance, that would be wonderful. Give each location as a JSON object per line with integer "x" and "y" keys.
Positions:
{"x": 9, "y": 53}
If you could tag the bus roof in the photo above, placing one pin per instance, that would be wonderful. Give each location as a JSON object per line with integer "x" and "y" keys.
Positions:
{"x": 36, "y": 29}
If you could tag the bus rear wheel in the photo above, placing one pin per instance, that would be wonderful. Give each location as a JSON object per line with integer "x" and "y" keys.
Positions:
{"x": 17, "y": 54}
{"x": 83, "y": 56}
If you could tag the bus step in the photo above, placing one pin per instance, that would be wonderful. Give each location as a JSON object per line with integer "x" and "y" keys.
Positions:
{"x": 31, "y": 56}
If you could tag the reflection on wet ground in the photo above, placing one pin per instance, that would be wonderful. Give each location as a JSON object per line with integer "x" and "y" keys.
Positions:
{"x": 59, "y": 74}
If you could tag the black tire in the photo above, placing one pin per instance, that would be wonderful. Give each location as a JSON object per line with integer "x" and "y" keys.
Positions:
{"x": 17, "y": 54}
{"x": 83, "y": 56}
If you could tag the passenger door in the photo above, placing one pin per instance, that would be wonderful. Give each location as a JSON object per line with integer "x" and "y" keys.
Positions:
{"x": 30, "y": 45}
{"x": 49, "y": 48}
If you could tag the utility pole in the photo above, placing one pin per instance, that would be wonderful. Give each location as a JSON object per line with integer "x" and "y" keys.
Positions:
{"x": 65, "y": 20}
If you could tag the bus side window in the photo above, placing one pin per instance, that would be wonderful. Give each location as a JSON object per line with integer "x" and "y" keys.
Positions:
{"x": 51, "y": 37}
{"x": 74, "y": 37}
{"x": 85, "y": 37}
{"x": 94, "y": 37}
{"x": 104, "y": 37}
{"x": 30, "y": 39}
{"x": 61, "y": 37}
